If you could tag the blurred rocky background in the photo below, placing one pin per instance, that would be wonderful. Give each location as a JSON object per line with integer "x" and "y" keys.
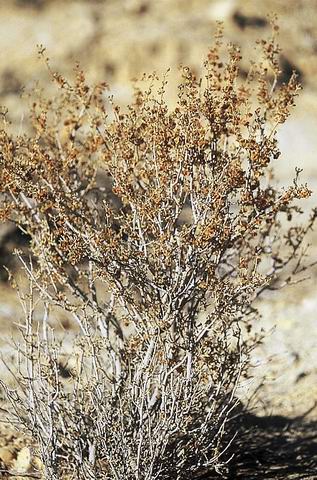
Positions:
{"x": 119, "y": 40}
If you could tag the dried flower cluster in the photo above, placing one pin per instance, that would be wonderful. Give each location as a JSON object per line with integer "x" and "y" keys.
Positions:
{"x": 156, "y": 230}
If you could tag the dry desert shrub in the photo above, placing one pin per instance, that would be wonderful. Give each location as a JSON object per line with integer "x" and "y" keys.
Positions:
{"x": 156, "y": 230}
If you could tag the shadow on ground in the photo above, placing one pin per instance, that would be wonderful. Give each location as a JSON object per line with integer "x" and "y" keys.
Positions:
{"x": 274, "y": 448}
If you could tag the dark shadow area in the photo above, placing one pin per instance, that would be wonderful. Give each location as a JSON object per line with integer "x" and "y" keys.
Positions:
{"x": 287, "y": 70}
{"x": 11, "y": 238}
{"x": 244, "y": 21}
{"x": 31, "y": 3}
{"x": 275, "y": 448}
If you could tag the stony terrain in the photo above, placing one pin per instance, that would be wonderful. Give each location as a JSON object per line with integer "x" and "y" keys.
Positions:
{"x": 117, "y": 41}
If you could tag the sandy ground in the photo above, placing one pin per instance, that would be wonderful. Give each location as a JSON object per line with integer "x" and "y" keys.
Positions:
{"x": 119, "y": 40}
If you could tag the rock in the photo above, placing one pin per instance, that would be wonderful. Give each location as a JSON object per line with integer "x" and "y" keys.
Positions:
{"x": 23, "y": 461}
{"x": 221, "y": 10}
